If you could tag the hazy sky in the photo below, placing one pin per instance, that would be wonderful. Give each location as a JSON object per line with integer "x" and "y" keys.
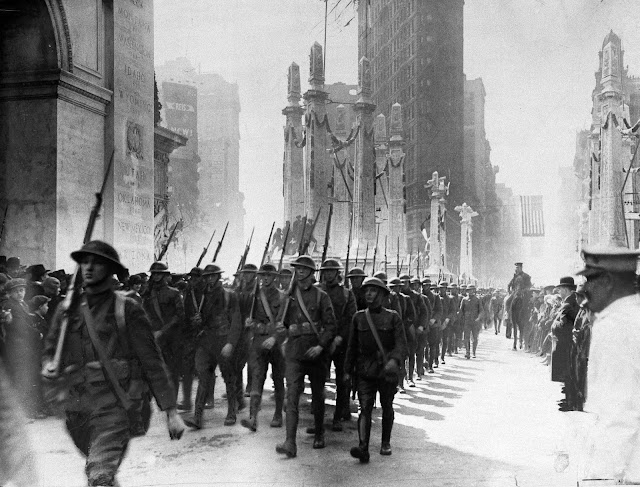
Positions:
{"x": 537, "y": 59}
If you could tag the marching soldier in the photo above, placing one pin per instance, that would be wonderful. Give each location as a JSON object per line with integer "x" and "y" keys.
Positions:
{"x": 436, "y": 316}
{"x": 356, "y": 276}
{"x": 419, "y": 322}
{"x": 194, "y": 299}
{"x": 244, "y": 293}
{"x": 455, "y": 335}
{"x": 165, "y": 310}
{"x": 215, "y": 342}
{"x": 311, "y": 327}
{"x": 470, "y": 315}
{"x": 109, "y": 351}
{"x": 284, "y": 279}
{"x": 406, "y": 313}
{"x": 265, "y": 347}
{"x": 344, "y": 307}
{"x": 448, "y": 313}
{"x": 376, "y": 352}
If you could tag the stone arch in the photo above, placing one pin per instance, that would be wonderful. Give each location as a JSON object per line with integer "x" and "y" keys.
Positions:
{"x": 62, "y": 34}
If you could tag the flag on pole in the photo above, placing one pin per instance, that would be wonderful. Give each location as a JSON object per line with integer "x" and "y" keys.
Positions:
{"x": 532, "y": 216}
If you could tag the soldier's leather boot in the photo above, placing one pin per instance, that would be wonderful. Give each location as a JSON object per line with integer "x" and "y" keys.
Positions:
{"x": 254, "y": 407}
{"x": 187, "y": 383}
{"x": 318, "y": 441}
{"x": 196, "y": 421}
{"x": 276, "y": 422}
{"x": 232, "y": 407}
{"x": 387, "y": 426}
{"x": 361, "y": 452}
{"x": 289, "y": 446}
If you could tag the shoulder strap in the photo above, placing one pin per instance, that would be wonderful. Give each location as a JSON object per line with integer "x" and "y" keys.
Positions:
{"x": 374, "y": 331}
{"x": 102, "y": 355}
{"x": 266, "y": 306}
{"x": 304, "y": 310}
{"x": 120, "y": 320}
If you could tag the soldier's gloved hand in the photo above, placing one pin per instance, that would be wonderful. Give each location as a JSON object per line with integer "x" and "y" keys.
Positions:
{"x": 314, "y": 352}
{"x": 175, "y": 425}
{"x": 227, "y": 350}
{"x": 269, "y": 343}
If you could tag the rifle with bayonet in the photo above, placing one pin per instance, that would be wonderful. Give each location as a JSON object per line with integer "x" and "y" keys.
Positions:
{"x": 52, "y": 369}
{"x": 398, "y": 258}
{"x": 215, "y": 255}
{"x": 205, "y": 250}
{"x": 302, "y": 231}
{"x": 366, "y": 254}
{"x": 385, "y": 254}
{"x": 255, "y": 285}
{"x": 305, "y": 247}
{"x": 284, "y": 246}
{"x": 357, "y": 252}
{"x": 375, "y": 252}
{"x": 243, "y": 257}
{"x": 346, "y": 264}
{"x": 165, "y": 247}
{"x": 326, "y": 233}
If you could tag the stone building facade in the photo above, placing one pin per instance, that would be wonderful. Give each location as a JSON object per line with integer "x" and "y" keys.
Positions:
{"x": 416, "y": 50}
{"x": 76, "y": 86}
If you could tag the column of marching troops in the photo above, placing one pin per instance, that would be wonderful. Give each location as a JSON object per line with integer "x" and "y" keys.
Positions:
{"x": 124, "y": 345}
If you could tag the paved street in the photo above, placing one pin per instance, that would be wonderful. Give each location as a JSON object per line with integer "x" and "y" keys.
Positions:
{"x": 492, "y": 422}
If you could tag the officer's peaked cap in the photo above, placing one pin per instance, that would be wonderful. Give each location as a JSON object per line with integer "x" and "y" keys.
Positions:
{"x": 609, "y": 259}
{"x": 304, "y": 261}
{"x": 375, "y": 282}
{"x": 101, "y": 249}
{"x": 211, "y": 269}
{"x": 356, "y": 272}
{"x": 330, "y": 265}
{"x": 159, "y": 268}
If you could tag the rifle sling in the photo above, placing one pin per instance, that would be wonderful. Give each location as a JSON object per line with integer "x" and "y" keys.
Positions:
{"x": 304, "y": 310}
{"x": 125, "y": 401}
{"x": 374, "y": 331}
{"x": 267, "y": 308}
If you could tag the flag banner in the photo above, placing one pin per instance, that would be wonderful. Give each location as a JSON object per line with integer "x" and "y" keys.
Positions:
{"x": 532, "y": 216}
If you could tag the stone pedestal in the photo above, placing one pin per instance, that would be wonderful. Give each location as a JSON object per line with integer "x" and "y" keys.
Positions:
{"x": 466, "y": 240}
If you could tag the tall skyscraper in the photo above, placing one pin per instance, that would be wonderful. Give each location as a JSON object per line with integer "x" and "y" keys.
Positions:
{"x": 416, "y": 52}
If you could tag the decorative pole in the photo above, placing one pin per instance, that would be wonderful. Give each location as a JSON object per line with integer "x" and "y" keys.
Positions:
{"x": 466, "y": 243}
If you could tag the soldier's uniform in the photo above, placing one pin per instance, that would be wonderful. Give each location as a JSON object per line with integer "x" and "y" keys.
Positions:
{"x": 358, "y": 274}
{"x": 305, "y": 333}
{"x": 97, "y": 420}
{"x": 419, "y": 321}
{"x": 193, "y": 301}
{"x": 448, "y": 313}
{"x": 470, "y": 312}
{"x": 244, "y": 294}
{"x": 165, "y": 309}
{"x": 434, "y": 333}
{"x": 365, "y": 358}
{"x": 455, "y": 325}
{"x": 343, "y": 302}
{"x": 404, "y": 307}
{"x": 262, "y": 328}
{"x": 221, "y": 326}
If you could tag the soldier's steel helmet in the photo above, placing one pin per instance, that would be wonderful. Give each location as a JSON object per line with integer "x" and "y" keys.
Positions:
{"x": 405, "y": 277}
{"x": 286, "y": 272}
{"x": 375, "y": 282}
{"x": 426, "y": 280}
{"x": 395, "y": 282}
{"x": 100, "y": 249}
{"x": 268, "y": 269}
{"x": 211, "y": 269}
{"x": 159, "y": 268}
{"x": 381, "y": 275}
{"x": 356, "y": 272}
{"x": 330, "y": 265}
{"x": 443, "y": 284}
{"x": 249, "y": 268}
{"x": 415, "y": 280}
{"x": 196, "y": 272}
{"x": 453, "y": 285}
{"x": 304, "y": 261}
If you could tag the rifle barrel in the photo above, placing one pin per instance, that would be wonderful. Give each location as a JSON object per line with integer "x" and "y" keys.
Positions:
{"x": 215, "y": 255}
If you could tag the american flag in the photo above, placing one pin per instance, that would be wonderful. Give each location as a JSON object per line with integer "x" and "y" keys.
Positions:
{"x": 532, "y": 216}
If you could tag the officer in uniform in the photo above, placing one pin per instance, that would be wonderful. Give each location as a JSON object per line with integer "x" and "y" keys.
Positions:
{"x": 216, "y": 340}
{"x": 103, "y": 391}
{"x": 356, "y": 277}
{"x": 165, "y": 310}
{"x": 193, "y": 301}
{"x": 311, "y": 327}
{"x": 265, "y": 347}
{"x": 376, "y": 352}
{"x": 344, "y": 307}
{"x": 470, "y": 313}
{"x": 520, "y": 283}
{"x": 420, "y": 322}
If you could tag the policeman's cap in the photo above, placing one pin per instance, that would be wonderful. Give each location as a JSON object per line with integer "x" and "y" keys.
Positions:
{"x": 609, "y": 259}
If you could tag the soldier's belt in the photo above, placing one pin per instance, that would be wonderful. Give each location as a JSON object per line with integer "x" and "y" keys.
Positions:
{"x": 263, "y": 329}
{"x": 297, "y": 329}
{"x": 92, "y": 372}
